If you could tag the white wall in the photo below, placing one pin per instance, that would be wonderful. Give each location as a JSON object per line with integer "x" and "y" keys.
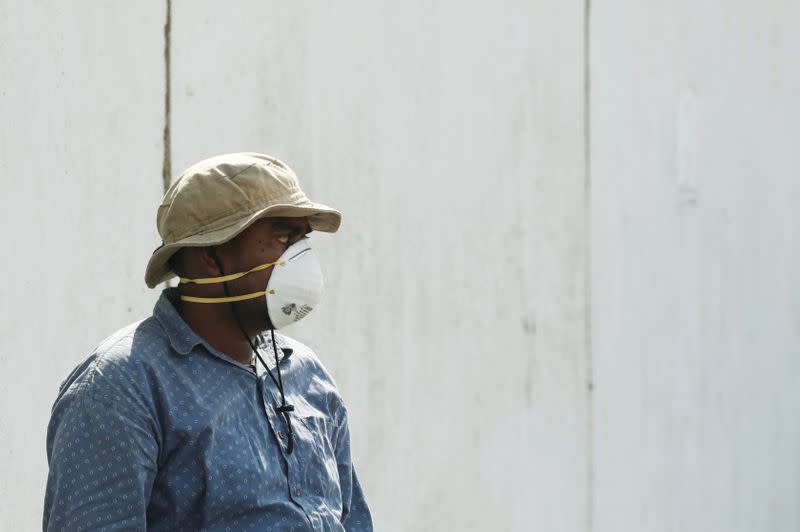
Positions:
{"x": 486, "y": 271}
{"x": 81, "y": 117}
{"x": 695, "y": 124}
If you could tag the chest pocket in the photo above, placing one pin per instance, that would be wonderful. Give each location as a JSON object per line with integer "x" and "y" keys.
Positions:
{"x": 314, "y": 435}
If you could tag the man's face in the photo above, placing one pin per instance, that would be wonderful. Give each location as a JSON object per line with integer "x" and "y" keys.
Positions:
{"x": 263, "y": 242}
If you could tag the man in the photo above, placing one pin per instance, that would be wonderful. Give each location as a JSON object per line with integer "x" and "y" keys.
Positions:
{"x": 170, "y": 424}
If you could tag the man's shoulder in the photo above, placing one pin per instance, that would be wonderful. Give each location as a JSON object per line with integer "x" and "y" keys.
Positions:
{"x": 120, "y": 363}
{"x": 115, "y": 382}
{"x": 131, "y": 344}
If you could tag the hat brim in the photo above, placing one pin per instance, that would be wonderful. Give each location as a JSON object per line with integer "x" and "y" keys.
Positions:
{"x": 320, "y": 217}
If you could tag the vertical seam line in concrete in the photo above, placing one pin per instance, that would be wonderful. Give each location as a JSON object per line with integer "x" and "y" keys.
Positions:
{"x": 166, "y": 167}
{"x": 166, "y": 170}
{"x": 587, "y": 161}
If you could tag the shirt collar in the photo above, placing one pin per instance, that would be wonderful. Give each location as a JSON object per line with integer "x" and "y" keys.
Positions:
{"x": 181, "y": 336}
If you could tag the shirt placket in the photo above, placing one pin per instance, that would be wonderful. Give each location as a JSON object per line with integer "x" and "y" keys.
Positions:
{"x": 294, "y": 465}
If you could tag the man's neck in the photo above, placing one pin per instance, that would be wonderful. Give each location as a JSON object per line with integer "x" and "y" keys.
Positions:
{"x": 218, "y": 328}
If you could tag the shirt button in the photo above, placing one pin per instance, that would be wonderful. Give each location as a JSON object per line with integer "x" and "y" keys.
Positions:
{"x": 297, "y": 492}
{"x": 282, "y": 434}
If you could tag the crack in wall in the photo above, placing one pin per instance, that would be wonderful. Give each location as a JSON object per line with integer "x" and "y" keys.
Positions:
{"x": 166, "y": 166}
{"x": 166, "y": 171}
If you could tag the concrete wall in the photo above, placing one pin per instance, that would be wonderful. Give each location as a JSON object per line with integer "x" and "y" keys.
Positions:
{"x": 695, "y": 126}
{"x": 81, "y": 118}
{"x": 514, "y": 233}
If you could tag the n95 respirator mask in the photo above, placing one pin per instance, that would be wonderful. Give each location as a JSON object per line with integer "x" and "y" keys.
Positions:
{"x": 294, "y": 288}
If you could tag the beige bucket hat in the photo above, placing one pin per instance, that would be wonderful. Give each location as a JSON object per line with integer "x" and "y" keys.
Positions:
{"x": 218, "y": 198}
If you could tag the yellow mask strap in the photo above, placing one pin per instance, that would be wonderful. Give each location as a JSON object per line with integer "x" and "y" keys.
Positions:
{"x": 225, "y": 279}
{"x": 232, "y": 276}
{"x": 231, "y": 299}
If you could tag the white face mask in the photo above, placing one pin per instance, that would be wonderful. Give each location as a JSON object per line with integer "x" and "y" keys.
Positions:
{"x": 294, "y": 287}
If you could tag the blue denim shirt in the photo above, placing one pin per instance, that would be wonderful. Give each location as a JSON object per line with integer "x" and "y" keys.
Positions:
{"x": 158, "y": 430}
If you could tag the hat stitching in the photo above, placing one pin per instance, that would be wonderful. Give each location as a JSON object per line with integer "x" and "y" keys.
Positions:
{"x": 240, "y": 171}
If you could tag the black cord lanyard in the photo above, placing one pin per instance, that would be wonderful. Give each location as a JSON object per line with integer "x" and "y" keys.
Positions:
{"x": 284, "y": 408}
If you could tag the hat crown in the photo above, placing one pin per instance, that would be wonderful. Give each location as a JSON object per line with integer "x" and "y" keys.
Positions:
{"x": 216, "y": 199}
{"x": 220, "y": 190}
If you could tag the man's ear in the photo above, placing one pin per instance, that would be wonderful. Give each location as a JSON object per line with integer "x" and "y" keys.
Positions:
{"x": 213, "y": 260}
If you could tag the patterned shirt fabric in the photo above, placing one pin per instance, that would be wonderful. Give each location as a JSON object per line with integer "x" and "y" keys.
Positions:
{"x": 157, "y": 430}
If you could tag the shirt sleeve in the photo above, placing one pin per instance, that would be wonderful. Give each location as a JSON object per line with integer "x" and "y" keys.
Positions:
{"x": 356, "y": 516}
{"x": 102, "y": 465}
